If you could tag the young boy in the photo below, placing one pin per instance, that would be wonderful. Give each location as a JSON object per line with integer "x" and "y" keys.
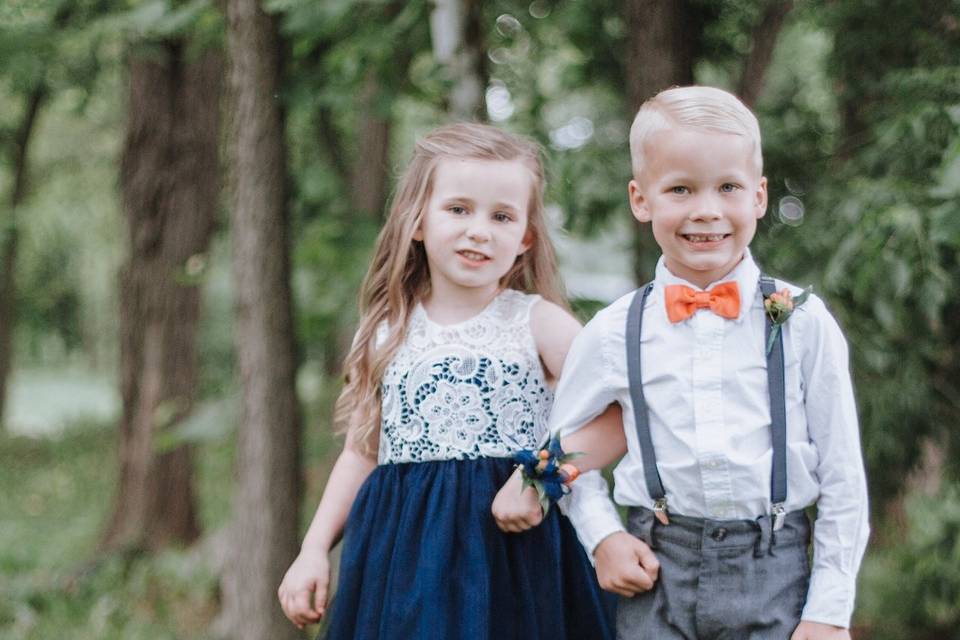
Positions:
{"x": 725, "y": 444}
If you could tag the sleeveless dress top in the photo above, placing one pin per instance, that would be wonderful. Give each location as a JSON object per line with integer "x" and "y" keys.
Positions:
{"x": 467, "y": 390}
{"x": 422, "y": 556}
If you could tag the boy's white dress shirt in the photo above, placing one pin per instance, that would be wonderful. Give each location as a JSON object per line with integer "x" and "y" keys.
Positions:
{"x": 705, "y": 383}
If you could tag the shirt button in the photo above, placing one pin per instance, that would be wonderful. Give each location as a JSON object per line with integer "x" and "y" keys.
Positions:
{"x": 719, "y": 534}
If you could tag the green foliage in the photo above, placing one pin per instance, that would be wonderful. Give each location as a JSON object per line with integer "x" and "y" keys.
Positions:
{"x": 54, "y": 494}
{"x": 48, "y": 296}
{"x": 912, "y": 590}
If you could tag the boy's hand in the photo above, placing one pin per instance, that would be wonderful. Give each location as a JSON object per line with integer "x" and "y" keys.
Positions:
{"x": 515, "y": 510}
{"x": 303, "y": 591}
{"x": 625, "y": 564}
{"x": 807, "y": 630}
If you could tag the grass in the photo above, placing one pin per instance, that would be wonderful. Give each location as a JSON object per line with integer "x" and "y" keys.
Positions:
{"x": 55, "y": 494}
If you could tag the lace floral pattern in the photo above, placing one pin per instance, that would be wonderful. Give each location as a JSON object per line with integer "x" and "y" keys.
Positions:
{"x": 467, "y": 390}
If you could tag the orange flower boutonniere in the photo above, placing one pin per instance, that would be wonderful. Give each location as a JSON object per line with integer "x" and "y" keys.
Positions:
{"x": 779, "y": 307}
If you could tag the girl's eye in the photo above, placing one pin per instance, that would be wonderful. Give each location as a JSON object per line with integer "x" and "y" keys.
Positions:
{"x": 679, "y": 190}
{"x": 457, "y": 209}
{"x": 502, "y": 217}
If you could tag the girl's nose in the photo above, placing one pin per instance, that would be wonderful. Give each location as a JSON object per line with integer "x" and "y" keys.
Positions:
{"x": 478, "y": 231}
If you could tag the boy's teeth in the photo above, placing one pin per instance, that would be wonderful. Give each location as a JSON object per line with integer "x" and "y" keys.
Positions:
{"x": 717, "y": 237}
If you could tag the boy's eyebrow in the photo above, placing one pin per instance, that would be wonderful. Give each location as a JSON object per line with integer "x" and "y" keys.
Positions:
{"x": 684, "y": 176}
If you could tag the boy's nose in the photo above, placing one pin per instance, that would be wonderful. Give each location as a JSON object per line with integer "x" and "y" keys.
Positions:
{"x": 706, "y": 208}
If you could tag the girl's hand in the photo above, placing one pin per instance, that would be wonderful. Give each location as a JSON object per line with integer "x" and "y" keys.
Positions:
{"x": 807, "y": 630}
{"x": 303, "y": 592}
{"x": 515, "y": 510}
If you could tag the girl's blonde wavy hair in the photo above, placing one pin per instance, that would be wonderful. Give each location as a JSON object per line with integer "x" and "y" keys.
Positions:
{"x": 399, "y": 276}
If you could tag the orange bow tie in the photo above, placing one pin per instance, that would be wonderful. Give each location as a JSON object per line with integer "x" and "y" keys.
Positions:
{"x": 682, "y": 301}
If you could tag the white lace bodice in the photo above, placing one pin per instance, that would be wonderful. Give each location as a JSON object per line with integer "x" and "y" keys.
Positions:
{"x": 466, "y": 390}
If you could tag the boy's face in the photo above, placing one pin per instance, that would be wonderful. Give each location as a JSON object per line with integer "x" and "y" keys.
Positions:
{"x": 703, "y": 196}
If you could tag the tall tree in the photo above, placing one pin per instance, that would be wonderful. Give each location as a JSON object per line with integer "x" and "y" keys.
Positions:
{"x": 455, "y": 29}
{"x": 268, "y": 488}
{"x": 8, "y": 233}
{"x": 14, "y": 148}
{"x": 661, "y": 48}
{"x": 662, "y": 44}
{"x": 169, "y": 179}
{"x": 763, "y": 41}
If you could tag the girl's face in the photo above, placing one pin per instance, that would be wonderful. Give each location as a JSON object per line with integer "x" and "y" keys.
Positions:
{"x": 475, "y": 224}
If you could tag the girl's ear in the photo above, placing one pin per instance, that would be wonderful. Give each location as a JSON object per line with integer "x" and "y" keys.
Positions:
{"x": 418, "y": 234}
{"x": 527, "y": 242}
{"x": 638, "y": 204}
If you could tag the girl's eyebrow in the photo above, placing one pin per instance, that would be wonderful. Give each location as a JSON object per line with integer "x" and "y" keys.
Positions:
{"x": 454, "y": 198}
{"x": 469, "y": 201}
{"x": 505, "y": 205}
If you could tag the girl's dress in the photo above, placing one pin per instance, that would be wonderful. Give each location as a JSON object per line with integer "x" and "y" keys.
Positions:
{"x": 422, "y": 556}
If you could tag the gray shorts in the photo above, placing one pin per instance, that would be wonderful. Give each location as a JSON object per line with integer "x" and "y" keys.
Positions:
{"x": 719, "y": 579}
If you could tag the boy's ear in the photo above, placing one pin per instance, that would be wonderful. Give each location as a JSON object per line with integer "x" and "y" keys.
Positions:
{"x": 761, "y": 198}
{"x": 638, "y": 204}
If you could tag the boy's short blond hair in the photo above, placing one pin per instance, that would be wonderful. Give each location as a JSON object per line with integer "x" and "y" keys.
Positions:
{"x": 705, "y": 108}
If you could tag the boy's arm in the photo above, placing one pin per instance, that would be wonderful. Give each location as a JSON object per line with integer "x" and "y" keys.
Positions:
{"x": 625, "y": 565}
{"x": 584, "y": 392}
{"x": 842, "y": 526}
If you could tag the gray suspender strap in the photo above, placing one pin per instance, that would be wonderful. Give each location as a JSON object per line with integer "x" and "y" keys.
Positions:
{"x": 641, "y": 415}
{"x": 778, "y": 412}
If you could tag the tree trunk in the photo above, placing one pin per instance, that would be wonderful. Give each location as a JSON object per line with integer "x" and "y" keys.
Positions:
{"x": 660, "y": 48}
{"x": 458, "y": 44}
{"x": 8, "y": 238}
{"x": 368, "y": 180}
{"x": 268, "y": 487}
{"x": 170, "y": 183}
{"x": 763, "y": 42}
{"x": 663, "y": 39}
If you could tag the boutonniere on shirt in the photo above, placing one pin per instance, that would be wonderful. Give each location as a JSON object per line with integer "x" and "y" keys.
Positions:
{"x": 548, "y": 471}
{"x": 779, "y": 306}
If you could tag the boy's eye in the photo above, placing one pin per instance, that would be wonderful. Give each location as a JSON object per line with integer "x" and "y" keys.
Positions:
{"x": 679, "y": 190}
{"x": 728, "y": 187}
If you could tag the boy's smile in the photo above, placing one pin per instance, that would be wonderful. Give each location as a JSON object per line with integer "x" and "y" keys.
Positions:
{"x": 703, "y": 196}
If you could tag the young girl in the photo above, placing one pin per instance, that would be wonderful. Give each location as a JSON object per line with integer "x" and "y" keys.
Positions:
{"x": 461, "y": 335}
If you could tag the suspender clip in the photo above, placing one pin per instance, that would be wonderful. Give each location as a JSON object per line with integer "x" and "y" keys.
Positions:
{"x": 779, "y": 515}
{"x": 660, "y": 511}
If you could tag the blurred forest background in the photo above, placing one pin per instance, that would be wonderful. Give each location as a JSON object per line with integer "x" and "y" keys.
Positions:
{"x": 189, "y": 191}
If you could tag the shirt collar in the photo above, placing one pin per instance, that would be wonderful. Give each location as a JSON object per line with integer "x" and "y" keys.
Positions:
{"x": 746, "y": 274}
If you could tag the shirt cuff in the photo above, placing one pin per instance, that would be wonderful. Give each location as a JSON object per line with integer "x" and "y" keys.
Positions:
{"x": 830, "y": 598}
{"x": 591, "y": 511}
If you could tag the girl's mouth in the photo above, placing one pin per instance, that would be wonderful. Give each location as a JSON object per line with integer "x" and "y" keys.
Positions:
{"x": 473, "y": 256}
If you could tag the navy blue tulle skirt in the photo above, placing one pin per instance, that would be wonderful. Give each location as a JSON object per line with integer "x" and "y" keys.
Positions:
{"x": 423, "y": 559}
